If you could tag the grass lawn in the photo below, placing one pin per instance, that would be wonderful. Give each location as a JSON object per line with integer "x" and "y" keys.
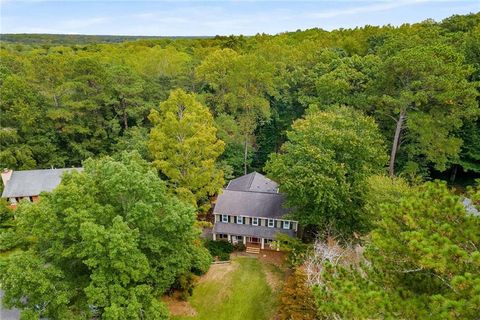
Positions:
{"x": 241, "y": 290}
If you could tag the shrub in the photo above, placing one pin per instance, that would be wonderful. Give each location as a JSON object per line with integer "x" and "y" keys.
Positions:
{"x": 202, "y": 259}
{"x": 239, "y": 247}
{"x": 218, "y": 247}
{"x": 224, "y": 256}
{"x": 185, "y": 284}
{"x": 297, "y": 300}
{"x": 8, "y": 239}
{"x": 6, "y": 214}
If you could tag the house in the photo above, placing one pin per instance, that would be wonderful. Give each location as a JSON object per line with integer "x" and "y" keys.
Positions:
{"x": 250, "y": 210}
{"x": 28, "y": 184}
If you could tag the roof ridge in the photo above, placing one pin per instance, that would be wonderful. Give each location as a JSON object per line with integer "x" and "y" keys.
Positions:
{"x": 253, "y": 191}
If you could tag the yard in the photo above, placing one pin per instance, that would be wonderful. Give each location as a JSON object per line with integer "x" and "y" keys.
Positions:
{"x": 245, "y": 289}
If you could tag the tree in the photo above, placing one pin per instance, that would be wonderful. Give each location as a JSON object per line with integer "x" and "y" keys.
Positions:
{"x": 425, "y": 90}
{"x": 105, "y": 243}
{"x": 323, "y": 166}
{"x": 185, "y": 147}
{"x": 422, "y": 260}
{"x": 126, "y": 87}
{"x": 238, "y": 85}
{"x": 297, "y": 300}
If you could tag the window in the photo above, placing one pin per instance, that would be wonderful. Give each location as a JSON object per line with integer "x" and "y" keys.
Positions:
{"x": 239, "y": 220}
{"x": 271, "y": 223}
{"x": 255, "y": 221}
{"x": 286, "y": 224}
{"x": 224, "y": 218}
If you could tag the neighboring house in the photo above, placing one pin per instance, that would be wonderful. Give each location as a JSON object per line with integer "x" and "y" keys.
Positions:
{"x": 28, "y": 184}
{"x": 250, "y": 210}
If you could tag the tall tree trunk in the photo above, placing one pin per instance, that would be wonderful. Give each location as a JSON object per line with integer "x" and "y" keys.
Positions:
{"x": 245, "y": 155}
{"x": 453, "y": 174}
{"x": 125, "y": 115}
{"x": 125, "y": 120}
{"x": 396, "y": 143}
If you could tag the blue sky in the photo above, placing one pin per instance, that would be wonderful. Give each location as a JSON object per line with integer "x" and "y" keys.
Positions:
{"x": 196, "y": 18}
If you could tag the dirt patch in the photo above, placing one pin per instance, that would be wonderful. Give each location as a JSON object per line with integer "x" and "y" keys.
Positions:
{"x": 217, "y": 272}
{"x": 272, "y": 278}
{"x": 179, "y": 307}
{"x": 275, "y": 257}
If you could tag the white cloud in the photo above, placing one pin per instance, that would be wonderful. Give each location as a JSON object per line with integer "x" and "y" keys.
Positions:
{"x": 375, "y": 7}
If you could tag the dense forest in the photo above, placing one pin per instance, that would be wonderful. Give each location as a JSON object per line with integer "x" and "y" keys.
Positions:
{"x": 63, "y": 104}
{"x": 353, "y": 123}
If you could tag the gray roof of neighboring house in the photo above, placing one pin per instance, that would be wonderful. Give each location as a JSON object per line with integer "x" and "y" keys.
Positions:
{"x": 8, "y": 314}
{"x": 253, "y": 182}
{"x": 249, "y": 230}
{"x": 28, "y": 183}
{"x": 255, "y": 204}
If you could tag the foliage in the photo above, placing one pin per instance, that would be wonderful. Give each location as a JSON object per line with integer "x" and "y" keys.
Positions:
{"x": 422, "y": 261}
{"x": 323, "y": 167}
{"x": 184, "y": 146}
{"x": 295, "y": 249}
{"x": 201, "y": 260}
{"x": 66, "y": 98}
{"x": 109, "y": 237}
{"x": 238, "y": 85}
{"x": 429, "y": 86}
{"x": 381, "y": 190}
{"x": 297, "y": 300}
{"x": 239, "y": 247}
{"x": 185, "y": 284}
{"x": 220, "y": 249}
{"x": 6, "y": 213}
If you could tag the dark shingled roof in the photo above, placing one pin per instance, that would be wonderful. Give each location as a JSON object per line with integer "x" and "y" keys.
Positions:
{"x": 32, "y": 182}
{"x": 247, "y": 203}
{"x": 253, "y": 182}
{"x": 250, "y": 231}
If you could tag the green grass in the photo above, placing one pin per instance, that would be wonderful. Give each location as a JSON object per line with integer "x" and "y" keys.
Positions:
{"x": 241, "y": 294}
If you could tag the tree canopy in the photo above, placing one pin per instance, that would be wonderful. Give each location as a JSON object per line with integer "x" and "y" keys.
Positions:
{"x": 422, "y": 261}
{"x": 324, "y": 165}
{"x": 185, "y": 147}
{"x": 107, "y": 242}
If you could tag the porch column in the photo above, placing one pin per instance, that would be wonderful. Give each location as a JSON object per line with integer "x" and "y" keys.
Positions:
{"x": 214, "y": 236}
{"x": 229, "y": 238}
{"x": 262, "y": 246}
{"x": 244, "y": 240}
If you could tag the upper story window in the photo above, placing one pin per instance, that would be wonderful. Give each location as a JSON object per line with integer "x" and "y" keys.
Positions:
{"x": 271, "y": 223}
{"x": 286, "y": 224}
{"x": 224, "y": 218}
{"x": 255, "y": 221}
{"x": 239, "y": 220}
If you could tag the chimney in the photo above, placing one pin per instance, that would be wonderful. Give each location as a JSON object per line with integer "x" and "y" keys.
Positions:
{"x": 6, "y": 174}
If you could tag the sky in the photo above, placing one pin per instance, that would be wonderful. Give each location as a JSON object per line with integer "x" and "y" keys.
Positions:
{"x": 209, "y": 18}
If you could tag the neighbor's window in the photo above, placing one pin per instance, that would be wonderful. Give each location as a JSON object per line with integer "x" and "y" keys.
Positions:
{"x": 224, "y": 218}
{"x": 286, "y": 224}
{"x": 239, "y": 220}
{"x": 255, "y": 221}
{"x": 271, "y": 223}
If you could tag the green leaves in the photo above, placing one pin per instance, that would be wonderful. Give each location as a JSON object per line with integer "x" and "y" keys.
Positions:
{"x": 323, "y": 167}
{"x": 107, "y": 242}
{"x": 422, "y": 261}
{"x": 185, "y": 147}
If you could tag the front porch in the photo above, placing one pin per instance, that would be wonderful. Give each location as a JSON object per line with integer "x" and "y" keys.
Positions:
{"x": 249, "y": 242}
